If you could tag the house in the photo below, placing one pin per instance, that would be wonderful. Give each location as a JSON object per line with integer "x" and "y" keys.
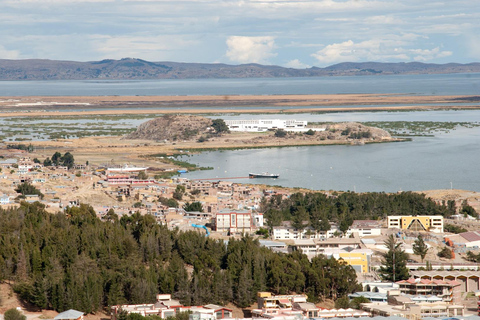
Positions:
{"x": 4, "y": 199}
{"x": 31, "y": 198}
{"x": 70, "y": 315}
{"x": 166, "y": 307}
{"x": 416, "y": 223}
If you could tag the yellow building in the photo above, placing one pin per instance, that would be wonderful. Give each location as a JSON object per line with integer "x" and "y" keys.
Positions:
{"x": 416, "y": 223}
{"x": 359, "y": 259}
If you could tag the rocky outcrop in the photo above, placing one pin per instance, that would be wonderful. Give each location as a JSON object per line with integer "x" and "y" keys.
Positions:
{"x": 172, "y": 128}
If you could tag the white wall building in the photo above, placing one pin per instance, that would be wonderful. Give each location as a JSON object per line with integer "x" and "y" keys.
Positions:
{"x": 269, "y": 124}
{"x": 289, "y": 232}
{"x": 365, "y": 228}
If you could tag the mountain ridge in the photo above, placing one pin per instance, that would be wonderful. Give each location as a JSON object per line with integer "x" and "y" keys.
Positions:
{"x": 138, "y": 69}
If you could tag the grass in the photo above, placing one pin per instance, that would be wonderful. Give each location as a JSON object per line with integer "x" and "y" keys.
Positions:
{"x": 419, "y": 128}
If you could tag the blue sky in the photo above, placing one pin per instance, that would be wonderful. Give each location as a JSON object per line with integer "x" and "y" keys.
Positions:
{"x": 282, "y": 32}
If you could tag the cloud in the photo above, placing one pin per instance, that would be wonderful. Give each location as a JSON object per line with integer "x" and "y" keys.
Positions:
{"x": 296, "y": 64}
{"x": 383, "y": 20}
{"x": 426, "y": 55}
{"x": 153, "y": 48}
{"x": 395, "y": 48}
{"x": 8, "y": 54}
{"x": 250, "y": 49}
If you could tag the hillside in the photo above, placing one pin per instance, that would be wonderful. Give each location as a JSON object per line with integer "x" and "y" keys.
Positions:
{"x": 172, "y": 128}
{"x": 128, "y": 68}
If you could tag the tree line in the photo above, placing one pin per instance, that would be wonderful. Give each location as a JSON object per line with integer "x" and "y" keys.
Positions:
{"x": 317, "y": 210}
{"x": 75, "y": 260}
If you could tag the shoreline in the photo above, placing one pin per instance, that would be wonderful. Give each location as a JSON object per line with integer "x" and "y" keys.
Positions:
{"x": 107, "y": 105}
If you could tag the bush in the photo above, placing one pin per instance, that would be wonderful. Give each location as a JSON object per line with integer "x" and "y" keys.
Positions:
{"x": 14, "y": 314}
{"x": 445, "y": 253}
{"x": 280, "y": 133}
{"x": 310, "y": 132}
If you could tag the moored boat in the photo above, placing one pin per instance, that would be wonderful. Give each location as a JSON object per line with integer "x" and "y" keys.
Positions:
{"x": 263, "y": 175}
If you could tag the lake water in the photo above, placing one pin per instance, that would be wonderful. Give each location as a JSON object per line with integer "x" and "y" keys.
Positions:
{"x": 448, "y": 159}
{"x": 439, "y": 162}
{"x": 439, "y": 84}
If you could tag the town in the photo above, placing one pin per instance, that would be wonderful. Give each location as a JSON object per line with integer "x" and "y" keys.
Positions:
{"x": 442, "y": 279}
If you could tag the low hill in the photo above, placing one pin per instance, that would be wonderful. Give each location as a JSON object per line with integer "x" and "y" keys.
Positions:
{"x": 172, "y": 128}
{"x": 128, "y": 68}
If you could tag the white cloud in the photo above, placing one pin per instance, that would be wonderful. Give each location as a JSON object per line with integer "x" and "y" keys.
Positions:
{"x": 250, "y": 49}
{"x": 383, "y": 20}
{"x": 153, "y": 48}
{"x": 296, "y": 64}
{"x": 8, "y": 54}
{"x": 396, "y": 48}
{"x": 426, "y": 55}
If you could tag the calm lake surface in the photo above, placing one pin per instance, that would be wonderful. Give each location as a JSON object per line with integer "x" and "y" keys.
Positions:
{"x": 439, "y": 84}
{"x": 439, "y": 162}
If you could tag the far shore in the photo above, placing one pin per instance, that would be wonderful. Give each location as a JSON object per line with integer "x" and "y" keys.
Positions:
{"x": 236, "y": 104}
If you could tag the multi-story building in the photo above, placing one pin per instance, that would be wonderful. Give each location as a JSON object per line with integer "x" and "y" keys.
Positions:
{"x": 416, "y": 223}
{"x": 233, "y": 221}
{"x": 287, "y": 231}
{"x": 444, "y": 289}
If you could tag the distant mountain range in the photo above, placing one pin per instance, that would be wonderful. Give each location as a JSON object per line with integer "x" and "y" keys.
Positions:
{"x": 136, "y": 69}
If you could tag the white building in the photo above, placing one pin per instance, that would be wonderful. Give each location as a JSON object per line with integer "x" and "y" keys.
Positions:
{"x": 270, "y": 124}
{"x": 289, "y": 232}
{"x": 365, "y": 228}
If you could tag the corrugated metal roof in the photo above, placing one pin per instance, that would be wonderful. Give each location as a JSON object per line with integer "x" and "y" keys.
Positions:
{"x": 69, "y": 314}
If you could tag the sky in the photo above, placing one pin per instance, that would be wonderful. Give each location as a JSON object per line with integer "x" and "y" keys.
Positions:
{"x": 289, "y": 33}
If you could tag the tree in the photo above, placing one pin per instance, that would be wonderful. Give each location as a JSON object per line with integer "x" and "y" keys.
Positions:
{"x": 14, "y": 314}
{"x": 67, "y": 160}
{"x": 26, "y": 188}
{"x": 194, "y": 206}
{"x": 420, "y": 248}
{"x": 56, "y": 158}
{"x": 280, "y": 133}
{"x": 220, "y": 126}
{"x": 142, "y": 175}
{"x": 394, "y": 261}
{"x": 47, "y": 162}
{"x": 468, "y": 210}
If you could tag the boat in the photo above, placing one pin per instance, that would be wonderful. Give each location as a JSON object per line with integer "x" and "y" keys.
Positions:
{"x": 263, "y": 175}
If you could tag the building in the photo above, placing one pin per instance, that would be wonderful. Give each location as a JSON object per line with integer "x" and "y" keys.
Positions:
{"x": 70, "y": 315}
{"x": 359, "y": 259}
{"x": 365, "y": 228}
{"x": 447, "y": 290}
{"x": 470, "y": 239}
{"x": 5, "y": 199}
{"x": 287, "y": 231}
{"x": 233, "y": 221}
{"x": 269, "y": 124}
{"x": 416, "y": 223}
{"x": 469, "y": 280}
{"x": 270, "y": 301}
{"x": 166, "y": 307}
{"x": 403, "y": 306}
